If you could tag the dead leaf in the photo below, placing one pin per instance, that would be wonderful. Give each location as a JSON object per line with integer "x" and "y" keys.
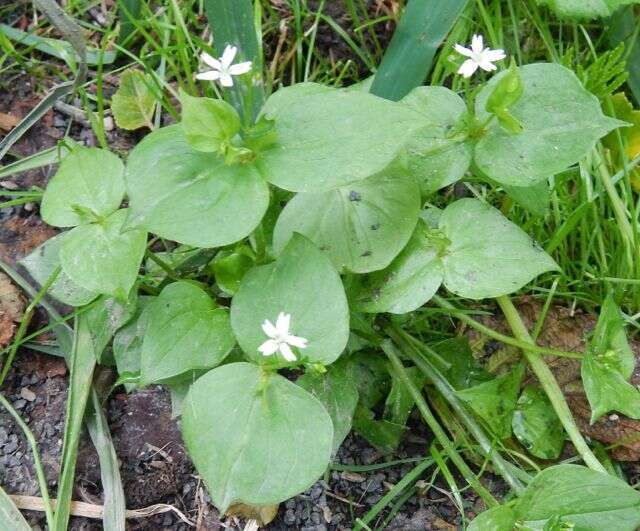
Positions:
{"x": 11, "y": 309}
{"x": 262, "y": 515}
{"x": 8, "y": 121}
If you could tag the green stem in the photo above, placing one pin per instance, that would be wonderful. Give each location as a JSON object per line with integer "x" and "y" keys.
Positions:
{"x": 550, "y": 385}
{"x": 419, "y": 353}
{"x": 42, "y": 479}
{"x": 429, "y": 418}
{"x": 507, "y": 340}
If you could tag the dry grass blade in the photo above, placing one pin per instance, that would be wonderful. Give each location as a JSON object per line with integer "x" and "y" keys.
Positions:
{"x": 89, "y": 510}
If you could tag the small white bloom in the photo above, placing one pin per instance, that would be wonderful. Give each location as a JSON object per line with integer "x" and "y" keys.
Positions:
{"x": 280, "y": 339}
{"x": 479, "y": 56}
{"x": 223, "y": 70}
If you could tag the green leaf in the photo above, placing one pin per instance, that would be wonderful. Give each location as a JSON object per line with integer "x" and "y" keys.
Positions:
{"x": 464, "y": 370}
{"x": 303, "y": 284}
{"x": 230, "y": 267}
{"x": 585, "y": 9}
{"x": 43, "y": 261}
{"x": 478, "y": 252}
{"x": 561, "y": 123}
{"x": 412, "y": 278}
{"x": 607, "y": 366}
{"x": 419, "y": 34}
{"x": 337, "y": 392}
{"x": 361, "y": 227}
{"x": 591, "y": 500}
{"x": 208, "y": 124}
{"x": 127, "y": 342}
{"x": 399, "y": 401}
{"x": 535, "y": 198}
{"x": 10, "y": 516}
{"x": 488, "y": 256}
{"x": 105, "y": 316}
{"x": 328, "y": 139}
{"x": 500, "y": 518}
{"x": 133, "y": 103}
{"x": 89, "y": 184}
{"x": 190, "y": 196}
{"x": 536, "y": 425}
{"x": 102, "y": 258}
{"x": 185, "y": 331}
{"x": 506, "y": 92}
{"x": 495, "y": 400}
{"x": 437, "y": 154}
{"x": 276, "y": 443}
{"x": 383, "y": 434}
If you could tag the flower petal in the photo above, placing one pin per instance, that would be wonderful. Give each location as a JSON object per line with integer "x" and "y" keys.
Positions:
{"x": 468, "y": 68}
{"x": 211, "y": 75}
{"x": 493, "y": 55}
{"x": 211, "y": 61}
{"x": 282, "y": 324}
{"x": 228, "y": 56}
{"x": 269, "y": 347}
{"x": 287, "y": 353}
{"x": 487, "y": 65}
{"x": 226, "y": 80}
{"x": 296, "y": 341}
{"x": 463, "y": 51}
{"x": 269, "y": 329}
{"x": 477, "y": 43}
{"x": 240, "y": 68}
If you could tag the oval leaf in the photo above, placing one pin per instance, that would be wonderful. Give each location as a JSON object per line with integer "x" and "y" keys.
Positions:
{"x": 255, "y": 437}
{"x": 561, "y": 120}
{"x": 303, "y": 284}
{"x": 361, "y": 227}
{"x": 103, "y": 258}
{"x": 190, "y": 196}
{"x": 185, "y": 331}
{"x": 488, "y": 255}
{"x": 89, "y": 184}
{"x": 330, "y": 138}
{"x": 43, "y": 261}
{"x": 133, "y": 103}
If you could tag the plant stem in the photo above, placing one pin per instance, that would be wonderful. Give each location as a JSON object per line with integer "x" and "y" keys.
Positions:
{"x": 418, "y": 353}
{"x": 550, "y": 385}
{"x": 42, "y": 479}
{"x": 441, "y": 436}
{"x": 507, "y": 340}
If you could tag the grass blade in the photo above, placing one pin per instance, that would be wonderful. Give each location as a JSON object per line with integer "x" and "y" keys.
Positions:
{"x": 232, "y": 22}
{"x": 128, "y": 12}
{"x": 113, "y": 518}
{"x": 81, "y": 364}
{"x": 409, "y": 58}
{"x": 10, "y": 516}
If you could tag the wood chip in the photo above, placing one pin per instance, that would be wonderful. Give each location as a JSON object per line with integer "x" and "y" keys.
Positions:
{"x": 11, "y": 309}
{"x": 8, "y": 121}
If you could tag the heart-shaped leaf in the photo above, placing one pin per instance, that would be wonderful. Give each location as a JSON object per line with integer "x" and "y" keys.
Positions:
{"x": 254, "y": 437}
{"x": 43, "y": 261}
{"x": 438, "y": 154}
{"x": 103, "y": 258}
{"x": 190, "y": 196}
{"x": 303, "y": 284}
{"x": 185, "y": 331}
{"x": 561, "y": 123}
{"x": 133, "y": 103}
{"x": 89, "y": 184}
{"x": 361, "y": 227}
{"x": 331, "y": 138}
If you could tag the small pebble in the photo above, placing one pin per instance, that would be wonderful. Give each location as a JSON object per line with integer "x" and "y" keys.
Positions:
{"x": 27, "y": 394}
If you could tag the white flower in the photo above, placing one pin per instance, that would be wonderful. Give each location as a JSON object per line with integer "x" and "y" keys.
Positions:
{"x": 479, "y": 56}
{"x": 280, "y": 339}
{"x": 223, "y": 70}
